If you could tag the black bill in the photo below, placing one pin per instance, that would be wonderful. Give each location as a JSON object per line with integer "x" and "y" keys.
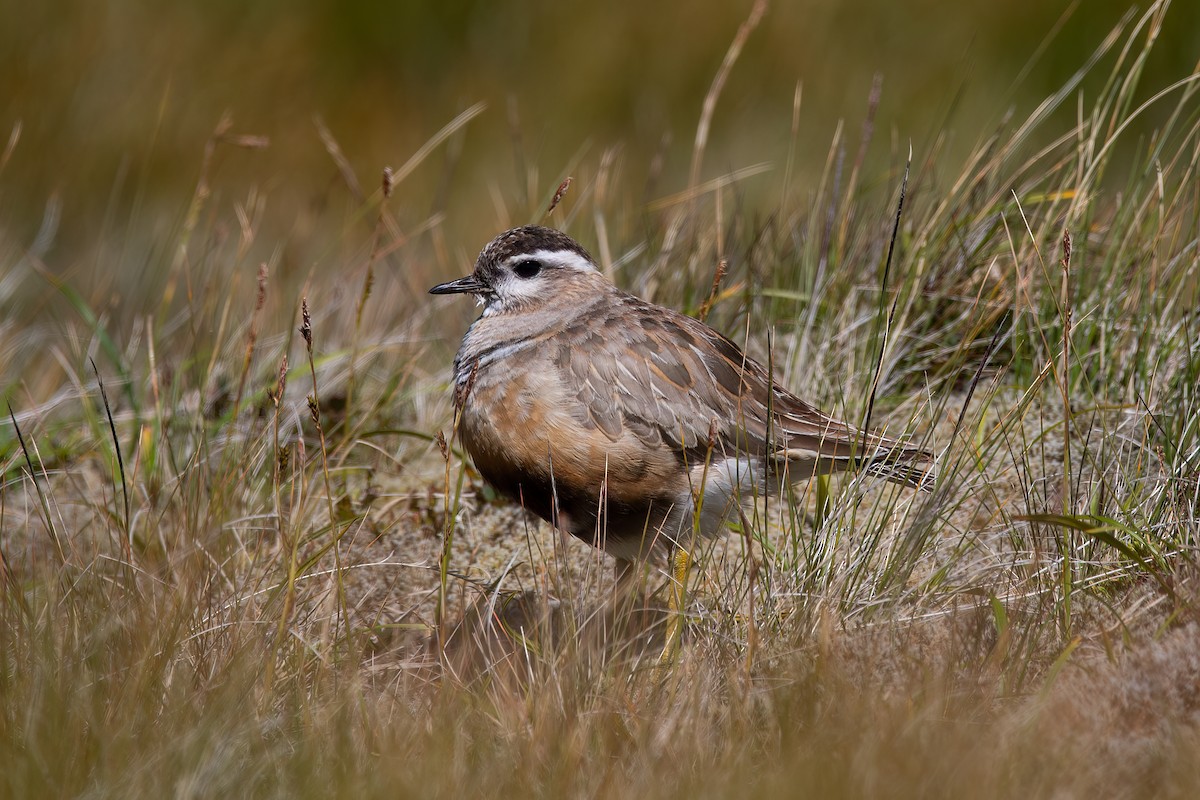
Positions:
{"x": 467, "y": 285}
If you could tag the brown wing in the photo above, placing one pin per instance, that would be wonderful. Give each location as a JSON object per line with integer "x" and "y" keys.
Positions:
{"x": 670, "y": 380}
{"x": 665, "y": 378}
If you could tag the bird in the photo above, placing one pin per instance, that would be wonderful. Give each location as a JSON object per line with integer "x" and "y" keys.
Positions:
{"x": 631, "y": 426}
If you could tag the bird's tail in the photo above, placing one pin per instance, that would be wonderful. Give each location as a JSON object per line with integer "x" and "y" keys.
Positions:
{"x": 909, "y": 466}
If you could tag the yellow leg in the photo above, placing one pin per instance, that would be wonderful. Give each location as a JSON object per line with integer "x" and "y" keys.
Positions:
{"x": 681, "y": 562}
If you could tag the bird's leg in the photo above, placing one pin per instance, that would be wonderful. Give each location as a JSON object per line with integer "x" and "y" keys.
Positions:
{"x": 625, "y": 582}
{"x": 628, "y": 599}
{"x": 681, "y": 562}
{"x": 623, "y": 572}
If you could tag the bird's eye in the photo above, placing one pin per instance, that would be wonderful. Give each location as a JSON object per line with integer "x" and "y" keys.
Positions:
{"x": 527, "y": 269}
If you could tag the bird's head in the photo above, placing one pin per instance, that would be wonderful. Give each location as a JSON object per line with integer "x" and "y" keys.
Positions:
{"x": 525, "y": 268}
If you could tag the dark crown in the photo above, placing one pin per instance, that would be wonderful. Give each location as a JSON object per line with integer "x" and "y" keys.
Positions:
{"x": 525, "y": 240}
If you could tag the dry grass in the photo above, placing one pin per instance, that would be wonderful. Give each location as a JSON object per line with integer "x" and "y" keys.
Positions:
{"x": 237, "y": 563}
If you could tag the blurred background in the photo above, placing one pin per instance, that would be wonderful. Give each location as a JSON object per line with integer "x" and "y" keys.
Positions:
{"x": 115, "y": 99}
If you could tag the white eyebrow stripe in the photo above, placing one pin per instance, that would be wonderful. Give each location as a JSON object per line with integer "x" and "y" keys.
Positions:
{"x": 566, "y": 259}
